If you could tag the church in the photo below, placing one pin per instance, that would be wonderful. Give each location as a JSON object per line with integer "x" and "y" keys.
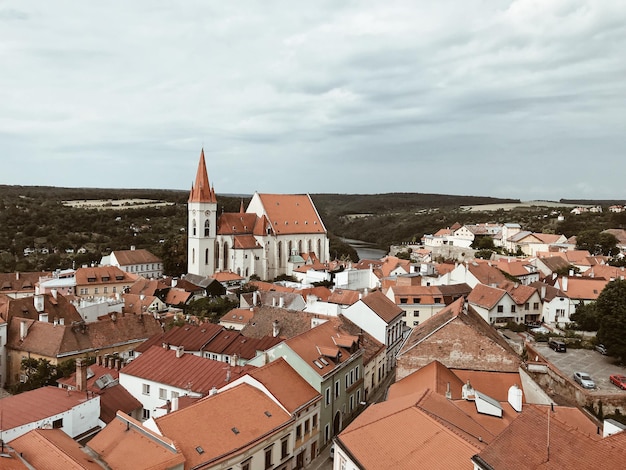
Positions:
{"x": 276, "y": 234}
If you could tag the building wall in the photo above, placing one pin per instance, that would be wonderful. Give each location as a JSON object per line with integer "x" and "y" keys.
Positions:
{"x": 198, "y": 245}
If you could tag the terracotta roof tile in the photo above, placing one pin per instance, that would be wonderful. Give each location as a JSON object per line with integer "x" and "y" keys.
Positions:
{"x": 224, "y": 425}
{"x": 52, "y": 449}
{"x": 199, "y": 374}
{"x": 485, "y": 296}
{"x": 387, "y": 310}
{"x": 292, "y": 213}
{"x": 344, "y": 296}
{"x": 36, "y": 405}
{"x": 20, "y": 282}
{"x": 125, "y": 443}
{"x": 131, "y": 257}
{"x": 103, "y": 275}
{"x": 523, "y": 444}
{"x": 275, "y": 375}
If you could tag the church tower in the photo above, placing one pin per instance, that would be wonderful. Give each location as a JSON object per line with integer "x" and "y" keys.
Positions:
{"x": 202, "y": 224}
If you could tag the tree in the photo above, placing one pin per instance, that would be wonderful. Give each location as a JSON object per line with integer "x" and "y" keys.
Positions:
{"x": 38, "y": 372}
{"x": 586, "y": 317}
{"x": 611, "y": 310}
{"x": 597, "y": 243}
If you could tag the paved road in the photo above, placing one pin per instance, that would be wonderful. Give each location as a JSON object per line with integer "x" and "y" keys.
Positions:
{"x": 595, "y": 364}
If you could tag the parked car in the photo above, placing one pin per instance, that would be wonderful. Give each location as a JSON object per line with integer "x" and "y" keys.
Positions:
{"x": 558, "y": 346}
{"x": 601, "y": 349}
{"x": 584, "y": 380}
{"x": 619, "y": 380}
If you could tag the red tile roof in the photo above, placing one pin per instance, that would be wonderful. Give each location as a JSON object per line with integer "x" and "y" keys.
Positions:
{"x": 103, "y": 275}
{"x": 176, "y": 296}
{"x": 387, "y": 310}
{"x": 38, "y": 404}
{"x": 188, "y": 371}
{"x": 485, "y": 296}
{"x": 275, "y": 375}
{"x": 523, "y": 444}
{"x": 125, "y": 443}
{"x": 20, "y": 282}
{"x": 190, "y": 337}
{"x": 292, "y": 213}
{"x": 57, "y": 308}
{"x": 139, "y": 256}
{"x": 344, "y": 297}
{"x": 224, "y": 425}
{"x": 201, "y": 191}
{"x": 52, "y": 449}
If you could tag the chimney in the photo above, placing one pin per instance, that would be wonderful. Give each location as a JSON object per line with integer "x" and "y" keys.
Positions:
{"x": 180, "y": 351}
{"x": 23, "y": 329}
{"x": 174, "y": 403}
{"x": 56, "y": 321}
{"x": 132, "y": 247}
{"x": 543, "y": 292}
{"x": 38, "y": 300}
{"x": 214, "y": 390}
{"x": 99, "y": 360}
{"x": 43, "y": 317}
{"x": 448, "y": 392}
{"x": 255, "y": 298}
{"x": 564, "y": 286}
{"x": 118, "y": 363}
{"x": 228, "y": 374}
{"x": 61, "y": 321}
{"x": 168, "y": 407}
{"x": 275, "y": 328}
{"x": 281, "y": 302}
{"x": 106, "y": 361}
{"x": 273, "y": 301}
{"x": 174, "y": 282}
{"x": 17, "y": 276}
{"x": 54, "y": 293}
{"x": 81, "y": 374}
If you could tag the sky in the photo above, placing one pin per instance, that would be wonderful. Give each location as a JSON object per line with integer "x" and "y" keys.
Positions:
{"x": 521, "y": 99}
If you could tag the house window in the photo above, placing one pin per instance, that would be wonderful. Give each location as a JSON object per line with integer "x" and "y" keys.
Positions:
{"x": 536, "y": 306}
{"x": 356, "y": 373}
{"x": 500, "y": 309}
{"x": 416, "y": 300}
{"x": 327, "y": 394}
{"x": 351, "y": 376}
{"x": 114, "y": 289}
{"x": 306, "y": 427}
{"x": 358, "y": 397}
{"x": 174, "y": 394}
{"x": 512, "y": 308}
{"x": 416, "y": 322}
{"x": 314, "y": 421}
{"x": 95, "y": 290}
{"x": 268, "y": 457}
{"x": 57, "y": 423}
{"x": 403, "y": 300}
{"x": 347, "y": 381}
{"x": 146, "y": 389}
{"x": 162, "y": 394}
{"x": 326, "y": 432}
{"x": 351, "y": 403}
{"x": 437, "y": 300}
{"x": 284, "y": 448}
{"x": 337, "y": 388}
{"x": 298, "y": 432}
{"x": 416, "y": 313}
{"x": 526, "y": 306}
{"x": 246, "y": 464}
{"x": 146, "y": 414}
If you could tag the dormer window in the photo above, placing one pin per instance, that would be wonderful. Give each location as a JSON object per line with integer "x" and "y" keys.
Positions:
{"x": 91, "y": 279}
{"x": 106, "y": 278}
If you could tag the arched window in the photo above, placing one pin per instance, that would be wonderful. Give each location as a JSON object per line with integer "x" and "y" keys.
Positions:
{"x": 319, "y": 250}
{"x": 299, "y": 247}
{"x": 193, "y": 227}
{"x": 193, "y": 256}
{"x": 206, "y": 256}
{"x": 280, "y": 254}
{"x": 308, "y": 246}
{"x": 225, "y": 256}
{"x": 217, "y": 255}
{"x": 289, "y": 252}
{"x": 207, "y": 228}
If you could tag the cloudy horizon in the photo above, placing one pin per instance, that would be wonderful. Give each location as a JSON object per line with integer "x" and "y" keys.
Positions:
{"x": 516, "y": 99}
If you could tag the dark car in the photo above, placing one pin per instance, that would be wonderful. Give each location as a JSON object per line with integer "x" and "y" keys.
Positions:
{"x": 558, "y": 346}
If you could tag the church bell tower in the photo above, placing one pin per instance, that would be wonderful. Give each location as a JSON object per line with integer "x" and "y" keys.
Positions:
{"x": 202, "y": 224}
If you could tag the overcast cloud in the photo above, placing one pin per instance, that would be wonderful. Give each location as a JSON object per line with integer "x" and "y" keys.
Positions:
{"x": 522, "y": 99}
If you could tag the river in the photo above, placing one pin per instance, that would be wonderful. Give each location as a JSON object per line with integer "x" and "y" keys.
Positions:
{"x": 364, "y": 249}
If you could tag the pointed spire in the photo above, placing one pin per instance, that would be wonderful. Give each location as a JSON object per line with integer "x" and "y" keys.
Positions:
{"x": 241, "y": 211}
{"x": 201, "y": 190}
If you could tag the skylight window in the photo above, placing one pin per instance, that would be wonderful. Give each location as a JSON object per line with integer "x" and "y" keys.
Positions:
{"x": 318, "y": 364}
{"x": 235, "y": 430}
{"x": 199, "y": 450}
{"x": 324, "y": 361}
{"x": 268, "y": 414}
